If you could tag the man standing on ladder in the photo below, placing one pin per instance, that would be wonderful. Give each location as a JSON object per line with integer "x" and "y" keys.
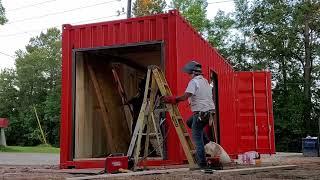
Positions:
{"x": 199, "y": 93}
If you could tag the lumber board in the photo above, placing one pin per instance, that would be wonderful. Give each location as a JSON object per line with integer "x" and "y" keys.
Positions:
{"x": 140, "y": 173}
{"x": 79, "y": 107}
{"x": 165, "y": 171}
{"x": 70, "y": 171}
{"x": 83, "y": 128}
{"x": 103, "y": 108}
{"x": 112, "y": 100}
{"x": 127, "y": 108}
{"x": 257, "y": 169}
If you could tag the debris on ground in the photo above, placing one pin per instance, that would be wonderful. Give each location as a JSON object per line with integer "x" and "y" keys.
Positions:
{"x": 305, "y": 168}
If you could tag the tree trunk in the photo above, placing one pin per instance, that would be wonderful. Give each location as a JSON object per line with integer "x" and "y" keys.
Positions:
{"x": 284, "y": 74}
{"x": 307, "y": 74}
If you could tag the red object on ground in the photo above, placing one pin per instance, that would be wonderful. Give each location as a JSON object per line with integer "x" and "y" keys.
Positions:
{"x": 244, "y": 103}
{"x": 115, "y": 162}
{"x": 4, "y": 122}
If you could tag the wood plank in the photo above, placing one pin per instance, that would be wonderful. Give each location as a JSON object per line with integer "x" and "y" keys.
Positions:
{"x": 79, "y": 108}
{"x": 150, "y": 172}
{"x": 257, "y": 169}
{"x": 88, "y": 124}
{"x": 124, "y": 99}
{"x": 165, "y": 171}
{"x": 112, "y": 100}
{"x": 70, "y": 171}
{"x": 103, "y": 108}
{"x": 83, "y": 127}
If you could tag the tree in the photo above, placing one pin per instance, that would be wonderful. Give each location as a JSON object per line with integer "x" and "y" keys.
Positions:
{"x": 3, "y": 18}
{"x": 220, "y": 36}
{"x": 148, "y": 7}
{"x": 282, "y": 36}
{"x": 35, "y": 83}
{"x": 229, "y": 34}
{"x": 219, "y": 30}
{"x": 194, "y": 11}
{"x": 290, "y": 33}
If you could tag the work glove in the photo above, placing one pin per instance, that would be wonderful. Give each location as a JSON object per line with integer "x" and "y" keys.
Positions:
{"x": 169, "y": 99}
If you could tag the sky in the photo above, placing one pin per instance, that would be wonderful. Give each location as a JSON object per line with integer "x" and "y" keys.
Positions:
{"x": 28, "y": 18}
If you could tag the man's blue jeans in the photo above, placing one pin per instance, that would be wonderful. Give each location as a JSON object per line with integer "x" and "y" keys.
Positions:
{"x": 199, "y": 137}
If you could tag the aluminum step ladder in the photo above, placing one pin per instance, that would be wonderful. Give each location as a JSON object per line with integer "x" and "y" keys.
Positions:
{"x": 158, "y": 81}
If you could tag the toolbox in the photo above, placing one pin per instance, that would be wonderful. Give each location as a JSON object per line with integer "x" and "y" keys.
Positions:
{"x": 114, "y": 162}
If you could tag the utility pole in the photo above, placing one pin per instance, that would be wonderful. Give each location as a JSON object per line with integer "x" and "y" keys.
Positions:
{"x": 129, "y": 9}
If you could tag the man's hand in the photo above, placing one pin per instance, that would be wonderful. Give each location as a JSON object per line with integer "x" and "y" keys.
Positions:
{"x": 169, "y": 99}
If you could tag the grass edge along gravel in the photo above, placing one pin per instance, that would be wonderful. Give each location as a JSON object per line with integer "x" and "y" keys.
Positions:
{"x": 30, "y": 149}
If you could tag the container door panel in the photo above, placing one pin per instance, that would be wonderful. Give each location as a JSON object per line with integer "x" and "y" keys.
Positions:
{"x": 255, "y": 120}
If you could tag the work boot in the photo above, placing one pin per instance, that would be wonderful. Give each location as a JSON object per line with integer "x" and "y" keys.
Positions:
{"x": 200, "y": 167}
{"x": 215, "y": 166}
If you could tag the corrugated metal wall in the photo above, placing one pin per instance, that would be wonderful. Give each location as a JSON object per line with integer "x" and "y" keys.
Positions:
{"x": 115, "y": 33}
{"x": 181, "y": 43}
{"x": 255, "y": 116}
{"x": 192, "y": 46}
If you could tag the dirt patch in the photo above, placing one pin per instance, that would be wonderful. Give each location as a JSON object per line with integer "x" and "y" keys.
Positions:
{"x": 26, "y": 172}
{"x": 307, "y": 168}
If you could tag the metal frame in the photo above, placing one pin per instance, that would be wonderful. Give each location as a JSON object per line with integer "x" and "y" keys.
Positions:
{"x": 211, "y": 71}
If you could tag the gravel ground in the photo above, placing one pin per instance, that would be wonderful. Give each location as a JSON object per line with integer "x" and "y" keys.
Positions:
{"x": 29, "y": 159}
{"x": 308, "y": 168}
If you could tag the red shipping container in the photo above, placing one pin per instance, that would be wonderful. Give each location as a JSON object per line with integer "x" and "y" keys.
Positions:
{"x": 244, "y": 100}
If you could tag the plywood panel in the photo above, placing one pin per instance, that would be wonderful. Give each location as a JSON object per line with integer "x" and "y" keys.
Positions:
{"x": 83, "y": 128}
{"x": 104, "y": 110}
{"x": 99, "y": 145}
{"x": 112, "y": 100}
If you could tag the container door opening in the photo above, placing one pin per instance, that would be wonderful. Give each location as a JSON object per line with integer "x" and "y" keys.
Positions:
{"x": 102, "y": 123}
{"x": 215, "y": 94}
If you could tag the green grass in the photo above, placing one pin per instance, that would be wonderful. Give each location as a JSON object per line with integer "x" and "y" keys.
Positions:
{"x": 30, "y": 149}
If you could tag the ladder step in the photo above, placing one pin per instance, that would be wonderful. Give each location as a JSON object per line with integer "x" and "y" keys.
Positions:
{"x": 161, "y": 110}
{"x": 151, "y": 134}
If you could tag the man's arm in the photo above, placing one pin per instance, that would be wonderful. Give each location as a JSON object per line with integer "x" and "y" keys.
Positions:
{"x": 184, "y": 97}
{"x": 191, "y": 89}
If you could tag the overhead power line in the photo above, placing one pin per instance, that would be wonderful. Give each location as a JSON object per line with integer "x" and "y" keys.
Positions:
{"x": 34, "y": 30}
{"x": 7, "y": 54}
{"x": 60, "y": 12}
{"x": 89, "y": 20}
{"x": 30, "y": 5}
{"x": 216, "y": 2}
